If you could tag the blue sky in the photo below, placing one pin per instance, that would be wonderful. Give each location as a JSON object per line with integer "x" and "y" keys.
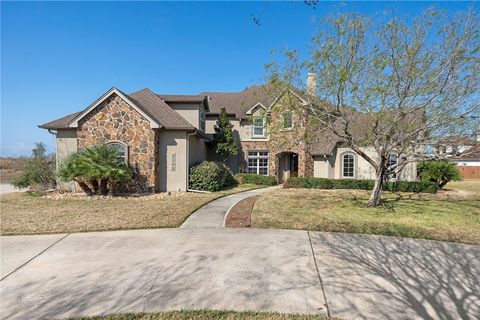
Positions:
{"x": 58, "y": 57}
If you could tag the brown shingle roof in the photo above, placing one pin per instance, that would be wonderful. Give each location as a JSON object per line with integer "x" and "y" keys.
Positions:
{"x": 182, "y": 97}
{"x": 240, "y": 102}
{"x": 158, "y": 110}
{"x": 59, "y": 123}
{"x": 472, "y": 153}
{"x": 456, "y": 140}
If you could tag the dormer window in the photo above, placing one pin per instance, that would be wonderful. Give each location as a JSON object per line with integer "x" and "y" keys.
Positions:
{"x": 258, "y": 127}
{"x": 258, "y": 114}
{"x": 287, "y": 120}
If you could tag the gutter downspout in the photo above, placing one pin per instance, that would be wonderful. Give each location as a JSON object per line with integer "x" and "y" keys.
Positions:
{"x": 188, "y": 164}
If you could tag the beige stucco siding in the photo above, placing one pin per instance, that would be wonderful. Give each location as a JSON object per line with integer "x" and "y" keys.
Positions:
{"x": 242, "y": 129}
{"x": 364, "y": 170}
{"x": 66, "y": 144}
{"x": 197, "y": 150}
{"x": 320, "y": 167}
{"x": 189, "y": 111}
{"x": 173, "y": 166}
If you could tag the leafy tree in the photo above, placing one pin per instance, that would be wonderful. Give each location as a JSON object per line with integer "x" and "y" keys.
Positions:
{"x": 39, "y": 171}
{"x": 224, "y": 139}
{"x": 411, "y": 82}
{"x": 97, "y": 169}
{"x": 441, "y": 172}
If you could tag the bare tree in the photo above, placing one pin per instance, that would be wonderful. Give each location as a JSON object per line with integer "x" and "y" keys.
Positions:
{"x": 397, "y": 86}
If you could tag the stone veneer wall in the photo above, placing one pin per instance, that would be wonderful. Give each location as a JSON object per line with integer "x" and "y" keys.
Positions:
{"x": 282, "y": 141}
{"x": 115, "y": 120}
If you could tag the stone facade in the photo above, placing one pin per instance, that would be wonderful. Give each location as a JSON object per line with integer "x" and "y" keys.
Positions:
{"x": 282, "y": 141}
{"x": 115, "y": 121}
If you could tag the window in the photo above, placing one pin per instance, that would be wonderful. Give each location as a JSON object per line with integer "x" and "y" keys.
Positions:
{"x": 258, "y": 127}
{"x": 258, "y": 162}
{"x": 392, "y": 161}
{"x": 287, "y": 120}
{"x": 348, "y": 165}
{"x": 122, "y": 150}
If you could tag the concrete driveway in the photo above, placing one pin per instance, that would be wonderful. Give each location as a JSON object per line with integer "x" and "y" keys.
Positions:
{"x": 358, "y": 276}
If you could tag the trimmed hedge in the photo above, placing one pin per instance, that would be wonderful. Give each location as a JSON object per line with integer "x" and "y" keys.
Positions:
{"x": 323, "y": 183}
{"x": 255, "y": 179}
{"x": 210, "y": 176}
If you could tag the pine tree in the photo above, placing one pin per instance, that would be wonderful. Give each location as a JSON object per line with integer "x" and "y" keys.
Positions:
{"x": 223, "y": 139}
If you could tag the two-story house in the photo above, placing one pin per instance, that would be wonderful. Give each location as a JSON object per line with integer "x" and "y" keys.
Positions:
{"x": 161, "y": 136}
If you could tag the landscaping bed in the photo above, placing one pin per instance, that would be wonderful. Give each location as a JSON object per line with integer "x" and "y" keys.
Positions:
{"x": 24, "y": 213}
{"x": 449, "y": 215}
{"x": 239, "y": 215}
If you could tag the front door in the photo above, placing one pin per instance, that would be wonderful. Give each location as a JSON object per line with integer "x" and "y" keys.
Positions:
{"x": 293, "y": 165}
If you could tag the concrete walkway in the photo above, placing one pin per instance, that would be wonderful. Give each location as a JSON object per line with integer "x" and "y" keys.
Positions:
{"x": 8, "y": 188}
{"x": 213, "y": 214}
{"x": 355, "y": 276}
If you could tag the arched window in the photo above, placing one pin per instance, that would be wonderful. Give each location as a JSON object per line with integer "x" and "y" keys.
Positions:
{"x": 392, "y": 161}
{"x": 287, "y": 122}
{"x": 348, "y": 165}
{"x": 122, "y": 150}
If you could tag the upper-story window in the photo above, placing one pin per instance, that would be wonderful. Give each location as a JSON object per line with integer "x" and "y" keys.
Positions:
{"x": 258, "y": 126}
{"x": 287, "y": 120}
{"x": 122, "y": 150}
{"x": 392, "y": 161}
{"x": 348, "y": 165}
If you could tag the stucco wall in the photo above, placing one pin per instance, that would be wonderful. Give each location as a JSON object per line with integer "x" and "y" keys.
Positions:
{"x": 173, "y": 166}
{"x": 242, "y": 129}
{"x": 364, "y": 170}
{"x": 324, "y": 167}
{"x": 66, "y": 144}
{"x": 197, "y": 150}
{"x": 190, "y": 111}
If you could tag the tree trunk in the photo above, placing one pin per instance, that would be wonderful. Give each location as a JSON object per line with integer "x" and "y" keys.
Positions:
{"x": 103, "y": 187}
{"x": 375, "y": 199}
{"x": 85, "y": 188}
{"x": 95, "y": 185}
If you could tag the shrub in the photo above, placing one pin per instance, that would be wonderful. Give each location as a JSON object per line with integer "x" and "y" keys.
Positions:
{"x": 210, "y": 176}
{"x": 411, "y": 186}
{"x": 97, "y": 169}
{"x": 440, "y": 172}
{"x": 324, "y": 183}
{"x": 39, "y": 171}
{"x": 255, "y": 179}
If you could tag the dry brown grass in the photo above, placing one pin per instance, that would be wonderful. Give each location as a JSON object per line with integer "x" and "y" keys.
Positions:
{"x": 204, "y": 315}
{"x": 449, "y": 216}
{"x": 7, "y": 175}
{"x": 23, "y": 213}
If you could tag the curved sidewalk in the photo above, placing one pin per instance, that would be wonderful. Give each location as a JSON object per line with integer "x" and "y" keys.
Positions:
{"x": 212, "y": 214}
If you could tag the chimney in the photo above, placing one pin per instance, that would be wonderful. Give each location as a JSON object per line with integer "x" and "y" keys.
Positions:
{"x": 311, "y": 84}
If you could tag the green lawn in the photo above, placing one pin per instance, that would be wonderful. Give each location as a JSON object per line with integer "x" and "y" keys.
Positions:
{"x": 23, "y": 213}
{"x": 204, "y": 315}
{"x": 452, "y": 215}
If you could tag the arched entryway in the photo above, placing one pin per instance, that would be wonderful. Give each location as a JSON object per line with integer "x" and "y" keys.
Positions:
{"x": 287, "y": 166}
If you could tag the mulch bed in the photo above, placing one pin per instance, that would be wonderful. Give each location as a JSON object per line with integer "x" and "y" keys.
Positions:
{"x": 241, "y": 213}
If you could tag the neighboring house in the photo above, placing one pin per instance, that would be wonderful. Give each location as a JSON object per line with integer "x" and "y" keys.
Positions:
{"x": 463, "y": 151}
{"x": 161, "y": 136}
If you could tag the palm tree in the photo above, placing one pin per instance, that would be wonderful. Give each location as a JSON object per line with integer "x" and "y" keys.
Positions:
{"x": 97, "y": 169}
